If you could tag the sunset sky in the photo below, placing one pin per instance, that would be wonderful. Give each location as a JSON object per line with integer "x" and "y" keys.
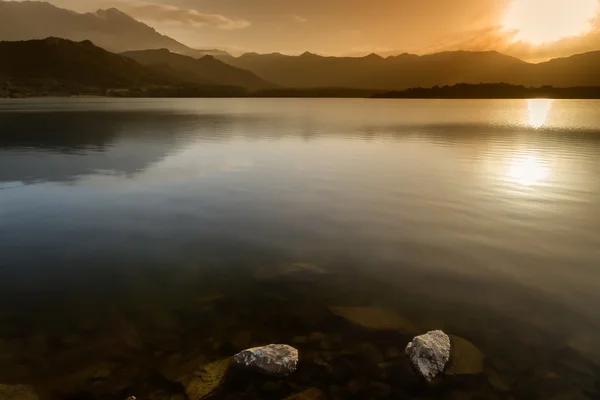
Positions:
{"x": 529, "y": 29}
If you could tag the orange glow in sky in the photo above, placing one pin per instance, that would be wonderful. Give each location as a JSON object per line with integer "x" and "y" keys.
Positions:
{"x": 543, "y": 21}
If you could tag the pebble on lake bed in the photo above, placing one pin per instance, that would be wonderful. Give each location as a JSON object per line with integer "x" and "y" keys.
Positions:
{"x": 429, "y": 354}
{"x": 466, "y": 358}
{"x": 375, "y": 318}
{"x": 17, "y": 392}
{"x": 206, "y": 380}
{"x": 308, "y": 394}
{"x": 273, "y": 360}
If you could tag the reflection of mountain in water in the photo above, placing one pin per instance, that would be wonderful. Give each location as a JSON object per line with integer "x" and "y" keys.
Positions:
{"x": 60, "y": 147}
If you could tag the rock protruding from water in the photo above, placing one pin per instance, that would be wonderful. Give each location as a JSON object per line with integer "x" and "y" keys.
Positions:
{"x": 17, "y": 392}
{"x": 273, "y": 360}
{"x": 429, "y": 354}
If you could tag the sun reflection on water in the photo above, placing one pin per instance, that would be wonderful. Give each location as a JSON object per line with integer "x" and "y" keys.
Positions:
{"x": 538, "y": 112}
{"x": 527, "y": 170}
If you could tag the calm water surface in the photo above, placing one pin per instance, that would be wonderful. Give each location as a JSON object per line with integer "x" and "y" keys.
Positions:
{"x": 141, "y": 239}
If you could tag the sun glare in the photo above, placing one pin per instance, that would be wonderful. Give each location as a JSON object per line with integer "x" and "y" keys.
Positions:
{"x": 543, "y": 21}
{"x": 527, "y": 170}
{"x": 538, "y": 111}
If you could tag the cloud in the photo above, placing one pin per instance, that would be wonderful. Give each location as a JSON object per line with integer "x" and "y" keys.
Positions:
{"x": 163, "y": 13}
{"x": 299, "y": 18}
{"x": 504, "y": 41}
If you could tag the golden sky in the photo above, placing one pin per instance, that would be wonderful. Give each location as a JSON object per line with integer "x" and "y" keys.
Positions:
{"x": 529, "y": 29}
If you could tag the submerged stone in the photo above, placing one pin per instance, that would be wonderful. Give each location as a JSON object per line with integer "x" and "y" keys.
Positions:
{"x": 206, "y": 379}
{"x": 465, "y": 358}
{"x": 308, "y": 394}
{"x": 496, "y": 381}
{"x": 271, "y": 386}
{"x": 274, "y": 359}
{"x": 587, "y": 344}
{"x": 429, "y": 354}
{"x": 380, "y": 390}
{"x": 371, "y": 353}
{"x": 17, "y": 392}
{"x": 317, "y": 337}
{"x": 241, "y": 339}
{"x": 392, "y": 352}
{"x": 286, "y": 270}
{"x": 375, "y": 318}
{"x": 299, "y": 340}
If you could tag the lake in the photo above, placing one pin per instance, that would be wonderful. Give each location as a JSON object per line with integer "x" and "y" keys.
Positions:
{"x": 141, "y": 239}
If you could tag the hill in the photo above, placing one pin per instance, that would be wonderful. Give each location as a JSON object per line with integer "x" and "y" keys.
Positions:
{"x": 577, "y": 70}
{"x": 199, "y": 53}
{"x": 205, "y": 70}
{"x": 110, "y": 29}
{"x": 308, "y": 70}
{"x": 494, "y": 91}
{"x": 56, "y": 66}
{"x": 409, "y": 70}
{"x": 62, "y": 67}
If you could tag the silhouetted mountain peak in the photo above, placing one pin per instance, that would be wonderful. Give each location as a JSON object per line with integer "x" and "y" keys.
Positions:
{"x": 205, "y": 70}
{"x": 31, "y": 4}
{"x": 411, "y": 70}
{"x": 110, "y": 28}
{"x": 109, "y": 11}
{"x": 250, "y": 54}
{"x": 68, "y": 65}
{"x": 56, "y": 41}
{"x": 373, "y": 56}
{"x": 160, "y": 51}
{"x": 199, "y": 53}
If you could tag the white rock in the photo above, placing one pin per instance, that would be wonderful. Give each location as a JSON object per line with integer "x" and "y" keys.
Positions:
{"x": 429, "y": 354}
{"x": 274, "y": 359}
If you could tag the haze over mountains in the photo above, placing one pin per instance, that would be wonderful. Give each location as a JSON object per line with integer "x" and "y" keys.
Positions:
{"x": 147, "y": 58}
{"x": 409, "y": 70}
{"x": 110, "y": 29}
{"x": 205, "y": 70}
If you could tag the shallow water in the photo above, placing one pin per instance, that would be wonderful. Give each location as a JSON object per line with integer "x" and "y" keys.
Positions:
{"x": 141, "y": 239}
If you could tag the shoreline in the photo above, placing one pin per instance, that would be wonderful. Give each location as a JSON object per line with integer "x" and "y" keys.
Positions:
{"x": 298, "y": 97}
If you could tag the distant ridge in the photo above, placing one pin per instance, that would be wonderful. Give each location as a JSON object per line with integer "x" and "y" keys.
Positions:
{"x": 408, "y": 70}
{"x": 494, "y": 91}
{"x": 205, "y": 70}
{"x": 199, "y": 53}
{"x": 110, "y": 29}
{"x": 118, "y": 32}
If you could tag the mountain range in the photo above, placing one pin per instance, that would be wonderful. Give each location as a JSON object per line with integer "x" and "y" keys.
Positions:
{"x": 56, "y": 66}
{"x": 409, "y": 70}
{"x": 206, "y": 70}
{"x": 136, "y": 55}
{"x": 110, "y": 29}
{"x": 81, "y": 63}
